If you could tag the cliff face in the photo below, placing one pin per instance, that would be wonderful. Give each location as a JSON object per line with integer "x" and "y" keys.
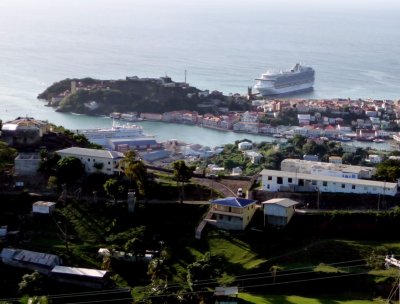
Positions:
{"x": 90, "y": 96}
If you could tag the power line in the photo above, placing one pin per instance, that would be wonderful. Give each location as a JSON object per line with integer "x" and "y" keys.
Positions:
{"x": 245, "y": 277}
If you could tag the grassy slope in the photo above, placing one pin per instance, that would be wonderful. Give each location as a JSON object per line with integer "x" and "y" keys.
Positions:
{"x": 283, "y": 299}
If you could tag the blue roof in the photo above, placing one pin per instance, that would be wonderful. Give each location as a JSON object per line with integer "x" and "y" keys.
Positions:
{"x": 233, "y": 202}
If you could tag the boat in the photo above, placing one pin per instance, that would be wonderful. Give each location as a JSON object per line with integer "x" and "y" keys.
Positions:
{"x": 101, "y": 136}
{"x": 299, "y": 78}
{"x": 343, "y": 138}
{"x": 378, "y": 140}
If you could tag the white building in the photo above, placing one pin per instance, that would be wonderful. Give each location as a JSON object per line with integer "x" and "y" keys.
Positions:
{"x": 102, "y": 161}
{"x": 43, "y": 207}
{"x": 374, "y": 158}
{"x": 237, "y": 171}
{"x": 329, "y": 169}
{"x": 335, "y": 160}
{"x": 27, "y": 164}
{"x": 273, "y": 181}
{"x": 278, "y": 211}
{"x": 245, "y": 145}
{"x": 255, "y": 157}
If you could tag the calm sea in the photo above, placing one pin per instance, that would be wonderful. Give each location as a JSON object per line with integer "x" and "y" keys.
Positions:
{"x": 354, "y": 47}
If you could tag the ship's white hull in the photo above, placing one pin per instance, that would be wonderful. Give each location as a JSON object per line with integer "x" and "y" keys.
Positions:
{"x": 102, "y": 136}
{"x": 268, "y": 89}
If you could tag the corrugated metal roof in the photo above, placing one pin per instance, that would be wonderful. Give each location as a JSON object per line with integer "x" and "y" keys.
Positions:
{"x": 44, "y": 204}
{"x": 233, "y": 202}
{"x": 75, "y": 151}
{"x": 136, "y": 141}
{"x": 285, "y": 202}
{"x": 27, "y": 256}
{"x": 7, "y": 253}
{"x": 94, "y": 273}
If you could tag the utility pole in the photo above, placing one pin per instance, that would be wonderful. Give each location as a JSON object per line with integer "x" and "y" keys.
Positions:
{"x": 391, "y": 261}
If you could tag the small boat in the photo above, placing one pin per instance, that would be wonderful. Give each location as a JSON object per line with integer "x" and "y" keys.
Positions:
{"x": 277, "y": 135}
{"x": 378, "y": 140}
{"x": 343, "y": 138}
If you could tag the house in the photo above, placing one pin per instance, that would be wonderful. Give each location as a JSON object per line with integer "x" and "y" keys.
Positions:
{"x": 92, "y": 278}
{"x": 24, "y": 131}
{"x": 237, "y": 171}
{"x": 255, "y": 157}
{"x": 335, "y": 159}
{"x": 231, "y": 213}
{"x": 42, "y": 207}
{"x": 94, "y": 160}
{"x": 374, "y": 158}
{"x": 274, "y": 180}
{"x": 151, "y": 116}
{"x": 26, "y": 164}
{"x": 245, "y": 145}
{"x": 278, "y": 211}
{"x": 36, "y": 261}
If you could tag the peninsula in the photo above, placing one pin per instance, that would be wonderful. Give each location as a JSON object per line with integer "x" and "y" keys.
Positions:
{"x": 102, "y": 97}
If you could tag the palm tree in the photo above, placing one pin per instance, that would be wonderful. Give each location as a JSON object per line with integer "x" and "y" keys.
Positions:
{"x": 135, "y": 169}
{"x": 182, "y": 174}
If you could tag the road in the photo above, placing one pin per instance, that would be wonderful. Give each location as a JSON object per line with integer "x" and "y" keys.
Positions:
{"x": 227, "y": 187}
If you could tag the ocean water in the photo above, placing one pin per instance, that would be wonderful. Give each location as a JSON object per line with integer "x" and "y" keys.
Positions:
{"x": 353, "y": 45}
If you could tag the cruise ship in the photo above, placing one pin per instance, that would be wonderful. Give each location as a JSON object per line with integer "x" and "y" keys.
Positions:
{"x": 102, "y": 135}
{"x": 299, "y": 78}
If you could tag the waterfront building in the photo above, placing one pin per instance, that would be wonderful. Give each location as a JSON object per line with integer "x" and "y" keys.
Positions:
{"x": 274, "y": 181}
{"x": 151, "y": 116}
{"x": 247, "y": 127}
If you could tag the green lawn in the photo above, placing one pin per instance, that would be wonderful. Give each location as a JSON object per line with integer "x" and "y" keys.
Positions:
{"x": 281, "y": 299}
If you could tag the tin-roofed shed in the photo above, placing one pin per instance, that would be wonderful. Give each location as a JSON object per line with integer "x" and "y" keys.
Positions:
{"x": 278, "y": 211}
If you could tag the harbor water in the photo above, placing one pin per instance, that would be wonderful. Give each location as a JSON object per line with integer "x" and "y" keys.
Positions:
{"x": 224, "y": 45}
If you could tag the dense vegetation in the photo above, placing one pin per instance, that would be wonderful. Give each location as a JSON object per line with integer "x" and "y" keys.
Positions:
{"x": 127, "y": 95}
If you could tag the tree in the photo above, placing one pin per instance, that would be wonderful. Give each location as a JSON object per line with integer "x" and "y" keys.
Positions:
{"x": 182, "y": 174}
{"x": 31, "y": 284}
{"x": 157, "y": 270}
{"x": 298, "y": 141}
{"x": 134, "y": 245}
{"x": 388, "y": 170}
{"x": 52, "y": 183}
{"x": 48, "y": 162}
{"x": 69, "y": 169}
{"x": 206, "y": 268}
{"x": 7, "y": 155}
{"x": 113, "y": 188}
{"x": 135, "y": 170}
{"x": 139, "y": 172}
